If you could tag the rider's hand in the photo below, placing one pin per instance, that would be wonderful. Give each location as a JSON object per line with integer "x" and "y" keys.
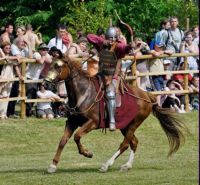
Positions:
{"x": 106, "y": 42}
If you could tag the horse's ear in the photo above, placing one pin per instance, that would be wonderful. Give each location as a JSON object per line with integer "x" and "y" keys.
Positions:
{"x": 64, "y": 72}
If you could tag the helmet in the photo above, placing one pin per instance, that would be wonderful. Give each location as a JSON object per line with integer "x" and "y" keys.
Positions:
{"x": 111, "y": 33}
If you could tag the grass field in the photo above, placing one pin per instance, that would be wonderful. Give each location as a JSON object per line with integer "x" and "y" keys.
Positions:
{"x": 28, "y": 146}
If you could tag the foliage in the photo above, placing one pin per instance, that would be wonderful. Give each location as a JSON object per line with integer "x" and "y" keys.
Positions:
{"x": 86, "y": 17}
{"x": 144, "y": 16}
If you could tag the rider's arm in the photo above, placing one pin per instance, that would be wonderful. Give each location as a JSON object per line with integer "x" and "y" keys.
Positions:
{"x": 95, "y": 40}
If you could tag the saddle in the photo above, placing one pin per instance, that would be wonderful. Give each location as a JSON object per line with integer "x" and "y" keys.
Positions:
{"x": 126, "y": 109}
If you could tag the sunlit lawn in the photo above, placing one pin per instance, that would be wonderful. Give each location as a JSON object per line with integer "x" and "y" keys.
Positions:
{"x": 28, "y": 146}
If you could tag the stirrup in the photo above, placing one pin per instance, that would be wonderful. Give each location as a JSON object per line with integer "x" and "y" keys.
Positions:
{"x": 112, "y": 127}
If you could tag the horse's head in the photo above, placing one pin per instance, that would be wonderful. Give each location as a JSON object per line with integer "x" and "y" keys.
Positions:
{"x": 59, "y": 71}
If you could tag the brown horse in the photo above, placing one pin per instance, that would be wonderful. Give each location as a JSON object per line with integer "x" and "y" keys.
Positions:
{"x": 82, "y": 100}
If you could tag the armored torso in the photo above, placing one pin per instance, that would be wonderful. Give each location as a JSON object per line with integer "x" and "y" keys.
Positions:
{"x": 107, "y": 62}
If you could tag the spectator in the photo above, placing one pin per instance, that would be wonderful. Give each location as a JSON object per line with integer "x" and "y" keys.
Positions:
{"x": 188, "y": 46}
{"x": 20, "y": 32}
{"x": 32, "y": 37}
{"x": 20, "y": 49}
{"x": 156, "y": 65}
{"x": 44, "y": 109}
{"x": 164, "y": 25}
{"x": 58, "y": 40}
{"x": 194, "y": 97}
{"x": 55, "y": 53}
{"x": 141, "y": 48}
{"x": 100, "y": 32}
{"x": 61, "y": 88}
{"x": 79, "y": 34}
{"x": 79, "y": 49}
{"x": 120, "y": 35}
{"x": 7, "y": 36}
{"x": 166, "y": 64}
{"x": 172, "y": 39}
{"x": 195, "y": 32}
{"x": 171, "y": 100}
{"x": 180, "y": 79}
{"x": 33, "y": 72}
{"x": 7, "y": 72}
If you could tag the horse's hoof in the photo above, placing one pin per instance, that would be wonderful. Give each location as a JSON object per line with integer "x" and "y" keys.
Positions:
{"x": 87, "y": 154}
{"x": 125, "y": 168}
{"x": 90, "y": 155}
{"x": 52, "y": 168}
{"x": 104, "y": 168}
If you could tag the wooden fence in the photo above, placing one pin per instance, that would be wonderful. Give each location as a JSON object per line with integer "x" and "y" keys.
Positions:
{"x": 132, "y": 78}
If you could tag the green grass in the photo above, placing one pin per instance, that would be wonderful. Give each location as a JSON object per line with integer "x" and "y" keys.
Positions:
{"x": 28, "y": 146}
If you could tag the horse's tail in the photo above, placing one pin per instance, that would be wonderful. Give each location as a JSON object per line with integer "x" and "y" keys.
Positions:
{"x": 172, "y": 126}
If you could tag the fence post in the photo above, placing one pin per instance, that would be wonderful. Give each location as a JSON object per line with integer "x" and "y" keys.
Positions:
{"x": 187, "y": 24}
{"x": 134, "y": 82}
{"x": 23, "y": 91}
{"x": 186, "y": 84}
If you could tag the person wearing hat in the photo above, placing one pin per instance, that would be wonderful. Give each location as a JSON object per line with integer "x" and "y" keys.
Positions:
{"x": 55, "y": 52}
{"x": 156, "y": 64}
{"x": 60, "y": 86}
{"x": 33, "y": 72}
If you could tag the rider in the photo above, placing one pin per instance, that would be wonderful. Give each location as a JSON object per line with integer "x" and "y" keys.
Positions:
{"x": 111, "y": 49}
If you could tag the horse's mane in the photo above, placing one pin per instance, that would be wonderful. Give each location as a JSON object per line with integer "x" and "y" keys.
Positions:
{"x": 77, "y": 66}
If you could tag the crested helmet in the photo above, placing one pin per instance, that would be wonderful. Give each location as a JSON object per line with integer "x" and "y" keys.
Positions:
{"x": 111, "y": 33}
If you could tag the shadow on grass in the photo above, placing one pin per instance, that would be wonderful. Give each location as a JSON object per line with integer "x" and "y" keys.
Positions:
{"x": 59, "y": 171}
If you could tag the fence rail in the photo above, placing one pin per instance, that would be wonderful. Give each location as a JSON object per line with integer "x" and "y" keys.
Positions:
{"x": 132, "y": 78}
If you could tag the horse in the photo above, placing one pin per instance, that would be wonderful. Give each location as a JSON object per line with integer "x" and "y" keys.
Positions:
{"x": 83, "y": 104}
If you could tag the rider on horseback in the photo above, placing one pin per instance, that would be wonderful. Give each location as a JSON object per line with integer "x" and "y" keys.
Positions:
{"x": 111, "y": 50}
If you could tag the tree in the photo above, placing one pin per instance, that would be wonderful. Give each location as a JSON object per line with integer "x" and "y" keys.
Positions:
{"x": 144, "y": 16}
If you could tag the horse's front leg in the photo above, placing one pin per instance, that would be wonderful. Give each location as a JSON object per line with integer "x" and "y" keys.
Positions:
{"x": 87, "y": 127}
{"x": 67, "y": 134}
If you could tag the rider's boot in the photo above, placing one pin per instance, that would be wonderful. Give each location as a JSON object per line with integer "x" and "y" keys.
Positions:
{"x": 111, "y": 109}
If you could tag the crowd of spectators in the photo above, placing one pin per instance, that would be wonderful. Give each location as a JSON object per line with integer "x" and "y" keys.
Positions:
{"x": 27, "y": 44}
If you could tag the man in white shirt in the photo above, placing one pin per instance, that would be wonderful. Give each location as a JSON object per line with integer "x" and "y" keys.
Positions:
{"x": 33, "y": 73}
{"x": 57, "y": 41}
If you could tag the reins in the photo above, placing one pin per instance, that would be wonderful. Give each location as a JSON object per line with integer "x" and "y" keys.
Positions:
{"x": 141, "y": 98}
{"x": 96, "y": 100}
{"x": 148, "y": 101}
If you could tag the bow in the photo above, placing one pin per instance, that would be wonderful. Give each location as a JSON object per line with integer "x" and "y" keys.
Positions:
{"x": 132, "y": 35}
{"x": 127, "y": 25}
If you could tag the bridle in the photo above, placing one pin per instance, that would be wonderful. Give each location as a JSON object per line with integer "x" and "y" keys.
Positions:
{"x": 73, "y": 110}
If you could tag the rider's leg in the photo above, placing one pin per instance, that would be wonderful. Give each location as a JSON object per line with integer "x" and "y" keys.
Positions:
{"x": 111, "y": 96}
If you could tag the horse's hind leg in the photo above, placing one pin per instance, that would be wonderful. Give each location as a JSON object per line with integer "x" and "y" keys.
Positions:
{"x": 129, "y": 164}
{"x": 129, "y": 139}
{"x": 87, "y": 127}
{"x": 67, "y": 134}
{"x": 124, "y": 146}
